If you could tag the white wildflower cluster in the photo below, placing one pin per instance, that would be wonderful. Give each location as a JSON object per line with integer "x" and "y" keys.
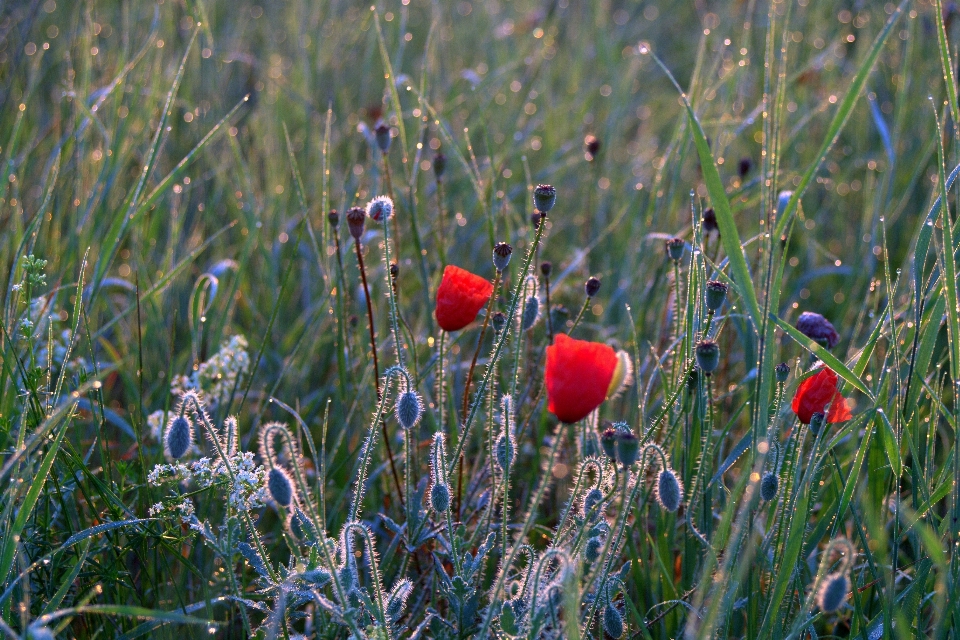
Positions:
{"x": 156, "y": 423}
{"x": 247, "y": 490}
{"x": 182, "y": 509}
{"x": 217, "y": 377}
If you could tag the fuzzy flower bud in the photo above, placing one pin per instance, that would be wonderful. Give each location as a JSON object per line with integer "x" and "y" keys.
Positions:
{"x": 593, "y": 549}
{"x": 833, "y": 591}
{"x": 612, "y": 621}
{"x": 592, "y": 286}
{"x": 544, "y": 197}
{"x": 356, "y": 217}
{"x": 593, "y": 504}
{"x": 769, "y": 485}
{"x": 716, "y": 294}
{"x": 408, "y": 409}
{"x": 440, "y": 498}
{"x": 531, "y": 311}
{"x": 499, "y": 321}
{"x": 675, "y": 248}
{"x": 628, "y": 448}
{"x": 280, "y": 486}
{"x": 708, "y": 356}
{"x": 816, "y": 422}
{"x": 380, "y": 208}
{"x": 382, "y": 133}
{"x": 501, "y": 255}
{"x": 669, "y": 490}
{"x": 179, "y": 437}
{"x": 506, "y": 450}
{"x": 782, "y": 370}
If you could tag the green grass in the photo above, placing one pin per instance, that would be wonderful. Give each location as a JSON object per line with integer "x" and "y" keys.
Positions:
{"x": 174, "y": 164}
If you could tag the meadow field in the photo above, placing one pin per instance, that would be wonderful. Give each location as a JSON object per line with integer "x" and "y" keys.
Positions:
{"x": 479, "y": 319}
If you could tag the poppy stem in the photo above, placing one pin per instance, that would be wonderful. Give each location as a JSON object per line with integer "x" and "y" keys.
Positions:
{"x": 440, "y": 380}
{"x": 473, "y": 364}
{"x": 376, "y": 364}
{"x": 546, "y": 285}
{"x": 583, "y": 309}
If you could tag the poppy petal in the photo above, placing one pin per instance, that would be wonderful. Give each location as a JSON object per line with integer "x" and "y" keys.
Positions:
{"x": 578, "y": 375}
{"x": 460, "y": 297}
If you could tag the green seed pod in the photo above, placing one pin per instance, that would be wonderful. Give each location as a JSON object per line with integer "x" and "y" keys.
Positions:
{"x": 716, "y": 294}
{"x": 334, "y": 218}
{"x": 669, "y": 490}
{"x": 675, "y": 248}
{"x": 544, "y": 197}
{"x": 608, "y": 441}
{"x": 592, "y": 287}
{"x": 769, "y": 484}
{"x": 179, "y": 437}
{"x": 499, "y": 322}
{"x": 501, "y": 255}
{"x": 356, "y": 218}
{"x": 628, "y": 448}
{"x": 816, "y": 422}
{"x": 782, "y": 370}
{"x": 708, "y": 356}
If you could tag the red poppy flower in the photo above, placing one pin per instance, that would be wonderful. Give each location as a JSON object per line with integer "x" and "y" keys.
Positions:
{"x": 460, "y": 297}
{"x": 579, "y": 376}
{"x": 815, "y": 393}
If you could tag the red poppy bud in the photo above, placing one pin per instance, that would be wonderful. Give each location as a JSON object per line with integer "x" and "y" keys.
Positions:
{"x": 460, "y": 297}
{"x": 815, "y": 393}
{"x": 578, "y": 375}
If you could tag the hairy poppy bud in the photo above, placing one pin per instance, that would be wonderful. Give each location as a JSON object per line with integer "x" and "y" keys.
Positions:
{"x": 628, "y": 448}
{"x": 440, "y": 497}
{"x": 592, "y": 287}
{"x": 179, "y": 437}
{"x": 506, "y": 449}
{"x": 675, "y": 249}
{"x": 546, "y": 267}
{"x": 592, "y": 504}
{"x": 769, "y": 484}
{"x": 782, "y": 370}
{"x": 439, "y": 164}
{"x": 593, "y": 549}
{"x": 499, "y": 321}
{"x": 356, "y": 217}
{"x": 710, "y": 220}
{"x": 716, "y": 294}
{"x": 592, "y": 145}
{"x": 816, "y": 327}
{"x": 382, "y": 133}
{"x": 744, "y": 166}
{"x": 333, "y": 218}
{"x": 408, "y": 410}
{"x": 280, "y": 486}
{"x": 708, "y": 356}
{"x": 816, "y": 422}
{"x": 544, "y": 197}
{"x": 832, "y": 592}
{"x": 531, "y": 311}
{"x": 668, "y": 490}
{"x": 608, "y": 441}
{"x": 501, "y": 255}
{"x": 612, "y": 621}
{"x": 380, "y": 208}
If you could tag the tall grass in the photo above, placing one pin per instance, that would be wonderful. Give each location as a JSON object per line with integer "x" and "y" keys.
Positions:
{"x": 195, "y": 437}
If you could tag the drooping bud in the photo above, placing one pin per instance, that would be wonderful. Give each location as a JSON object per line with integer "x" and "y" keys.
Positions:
{"x": 782, "y": 370}
{"x": 179, "y": 437}
{"x": 531, "y": 311}
{"x": 675, "y": 248}
{"x": 382, "y": 133}
{"x": 592, "y": 286}
{"x": 380, "y": 208}
{"x": 593, "y": 504}
{"x": 356, "y": 217}
{"x": 710, "y": 220}
{"x": 816, "y": 327}
{"x": 708, "y": 356}
{"x": 669, "y": 490}
{"x": 816, "y": 422}
{"x": 716, "y": 294}
{"x": 408, "y": 409}
{"x": 628, "y": 448}
{"x": 333, "y": 218}
{"x": 397, "y": 600}
{"x": 280, "y": 486}
{"x": 833, "y": 591}
{"x": 592, "y": 145}
{"x": 439, "y": 165}
{"x": 505, "y": 452}
{"x": 593, "y": 549}
{"x": 544, "y": 197}
{"x": 608, "y": 441}
{"x": 440, "y": 498}
{"x": 501, "y": 255}
{"x": 769, "y": 485}
{"x": 612, "y": 621}
{"x": 499, "y": 322}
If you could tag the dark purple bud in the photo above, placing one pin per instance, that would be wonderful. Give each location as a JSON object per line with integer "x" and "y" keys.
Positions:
{"x": 816, "y": 327}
